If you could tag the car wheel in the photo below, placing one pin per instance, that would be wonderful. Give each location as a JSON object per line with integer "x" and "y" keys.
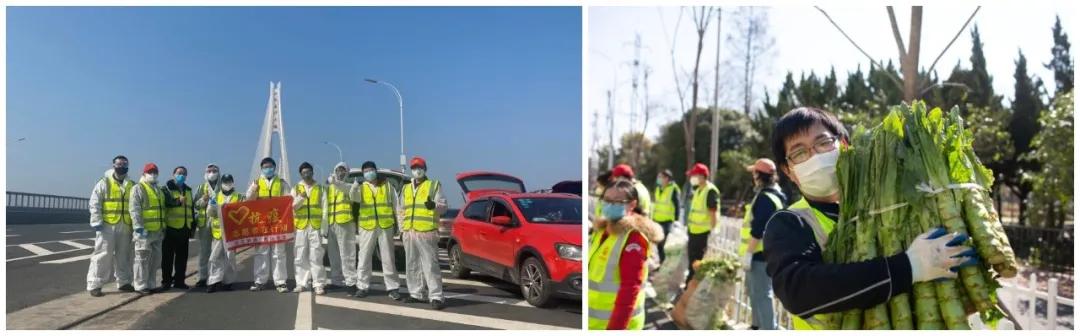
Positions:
{"x": 535, "y": 283}
{"x": 457, "y": 267}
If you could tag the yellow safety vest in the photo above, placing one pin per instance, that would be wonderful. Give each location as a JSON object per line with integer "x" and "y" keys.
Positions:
{"x": 310, "y": 211}
{"x": 339, "y": 205}
{"x": 664, "y": 203}
{"x": 201, "y": 211}
{"x": 748, "y": 216}
{"x": 274, "y": 189}
{"x": 604, "y": 281}
{"x": 644, "y": 199}
{"x": 153, "y": 208}
{"x": 700, "y": 218}
{"x": 114, "y": 207}
{"x": 417, "y": 216}
{"x": 376, "y": 208}
{"x": 215, "y": 223}
{"x": 822, "y": 226}
{"x": 178, "y": 217}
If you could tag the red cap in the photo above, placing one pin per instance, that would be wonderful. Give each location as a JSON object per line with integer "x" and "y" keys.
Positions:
{"x": 149, "y": 167}
{"x": 417, "y": 161}
{"x": 698, "y": 169}
{"x": 763, "y": 165}
{"x": 622, "y": 170}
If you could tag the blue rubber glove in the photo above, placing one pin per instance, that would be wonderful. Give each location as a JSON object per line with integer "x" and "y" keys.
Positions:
{"x": 98, "y": 227}
{"x": 934, "y": 255}
{"x": 141, "y": 232}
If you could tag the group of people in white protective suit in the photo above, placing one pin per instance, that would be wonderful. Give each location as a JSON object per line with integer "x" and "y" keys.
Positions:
{"x": 137, "y": 217}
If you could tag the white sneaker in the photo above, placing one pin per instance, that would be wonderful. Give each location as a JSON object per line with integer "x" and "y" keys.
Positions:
{"x": 319, "y": 291}
{"x": 298, "y": 289}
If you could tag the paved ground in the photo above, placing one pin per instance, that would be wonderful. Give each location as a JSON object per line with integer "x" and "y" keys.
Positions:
{"x": 46, "y": 279}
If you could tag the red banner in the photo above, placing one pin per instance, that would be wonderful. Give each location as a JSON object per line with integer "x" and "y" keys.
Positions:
{"x": 258, "y": 222}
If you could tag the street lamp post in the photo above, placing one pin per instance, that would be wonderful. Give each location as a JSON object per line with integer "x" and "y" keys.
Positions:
{"x": 401, "y": 116}
{"x": 339, "y": 156}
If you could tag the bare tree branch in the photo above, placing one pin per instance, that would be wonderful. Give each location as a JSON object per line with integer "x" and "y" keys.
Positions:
{"x": 896, "y": 32}
{"x": 872, "y": 61}
{"x": 947, "y": 46}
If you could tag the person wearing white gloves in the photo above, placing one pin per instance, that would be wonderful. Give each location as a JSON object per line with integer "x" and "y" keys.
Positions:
{"x": 203, "y": 194}
{"x": 309, "y": 205}
{"x": 266, "y": 186}
{"x": 806, "y": 144}
{"x": 112, "y": 230}
{"x": 377, "y": 203}
{"x": 147, "y": 206}
{"x": 341, "y": 231}
{"x": 222, "y": 260}
{"x": 422, "y": 203}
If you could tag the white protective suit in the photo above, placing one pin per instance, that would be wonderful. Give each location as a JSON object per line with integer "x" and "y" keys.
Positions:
{"x": 278, "y": 253}
{"x": 422, "y": 253}
{"x": 366, "y": 243}
{"x": 341, "y": 238}
{"x": 148, "y": 247}
{"x": 112, "y": 254}
{"x": 202, "y": 232}
{"x": 222, "y": 260}
{"x": 309, "y": 249}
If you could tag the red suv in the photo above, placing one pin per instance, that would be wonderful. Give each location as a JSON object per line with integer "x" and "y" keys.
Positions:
{"x": 530, "y": 239}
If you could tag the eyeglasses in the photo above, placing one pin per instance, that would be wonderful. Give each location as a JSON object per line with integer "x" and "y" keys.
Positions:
{"x": 801, "y": 154}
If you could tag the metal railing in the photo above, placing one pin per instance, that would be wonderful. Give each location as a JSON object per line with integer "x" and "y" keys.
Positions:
{"x": 1026, "y": 301}
{"x": 43, "y": 201}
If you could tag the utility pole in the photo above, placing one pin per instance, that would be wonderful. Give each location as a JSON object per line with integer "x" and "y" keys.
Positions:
{"x": 611, "y": 133}
{"x": 714, "y": 142}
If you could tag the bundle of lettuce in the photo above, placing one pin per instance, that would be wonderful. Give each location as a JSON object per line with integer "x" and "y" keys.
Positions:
{"x": 913, "y": 172}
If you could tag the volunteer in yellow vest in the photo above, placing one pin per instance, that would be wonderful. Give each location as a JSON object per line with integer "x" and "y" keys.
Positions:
{"x": 266, "y": 186}
{"x": 148, "y": 213}
{"x": 422, "y": 203}
{"x": 767, "y": 200}
{"x": 618, "y": 250}
{"x": 623, "y": 172}
{"x": 600, "y": 185}
{"x": 805, "y": 145}
{"x": 203, "y": 194}
{"x": 222, "y": 260}
{"x": 111, "y": 222}
{"x": 702, "y": 215}
{"x": 179, "y": 223}
{"x": 665, "y": 205}
{"x": 309, "y": 204}
{"x": 340, "y": 231}
{"x": 377, "y": 203}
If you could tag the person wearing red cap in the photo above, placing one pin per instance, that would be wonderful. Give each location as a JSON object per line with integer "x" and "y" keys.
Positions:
{"x": 623, "y": 172}
{"x": 702, "y": 215}
{"x": 768, "y": 199}
{"x": 112, "y": 226}
{"x": 147, "y": 206}
{"x": 422, "y": 203}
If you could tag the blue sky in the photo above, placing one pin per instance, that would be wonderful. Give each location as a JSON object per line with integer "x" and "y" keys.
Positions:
{"x": 484, "y": 88}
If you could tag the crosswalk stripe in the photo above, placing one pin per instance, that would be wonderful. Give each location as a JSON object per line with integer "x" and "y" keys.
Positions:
{"x": 427, "y": 314}
{"x": 67, "y": 260}
{"x": 472, "y": 297}
{"x": 80, "y": 231}
{"x": 445, "y": 280}
{"x": 303, "y": 311}
{"x": 74, "y": 244}
{"x": 37, "y": 250}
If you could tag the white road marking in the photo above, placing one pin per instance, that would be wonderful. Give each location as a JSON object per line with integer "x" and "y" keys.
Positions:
{"x": 427, "y": 314}
{"x": 67, "y": 260}
{"x": 12, "y": 236}
{"x": 81, "y": 231}
{"x": 74, "y": 244}
{"x": 36, "y": 249}
{"x": 303, "y": 311}
{"x": 445, "y": 280}
{"x": 472, "y": 297}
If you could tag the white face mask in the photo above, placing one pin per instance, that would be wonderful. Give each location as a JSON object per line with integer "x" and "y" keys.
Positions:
{"x": 211, "y": 177}
{"x": 226, "y": 187}
{"x": 418, "y": 173}
{"x": 817, "y": 176}
{"x": 150, "y": 178}
{"x": 695, "y": 180}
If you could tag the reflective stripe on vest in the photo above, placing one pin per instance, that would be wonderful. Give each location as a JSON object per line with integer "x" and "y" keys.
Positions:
{"x": 178, "y": 217}
{"x": 114, "y": 208}
{"x": 700, "y": 218}
{"x": 339, "y": 205}
{"x": 604, "y": 282}
{"x": 215, "y": 224}
{"x": 644, "y": 199}
{"x": 201, "y": 211}
{"x": 664, "y": 203}
{"x": 417, "y": 216}
{"x": 822, "y": 225}
{"x": 376, "y": 208}
{"x": 310, "y": 212}
{"x": 153, "y": 208}
{"x": 748, "y": 217}
{"x": 274, "y": 189}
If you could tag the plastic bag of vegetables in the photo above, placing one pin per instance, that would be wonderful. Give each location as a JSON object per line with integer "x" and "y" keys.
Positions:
{"x": 702, "y": 306}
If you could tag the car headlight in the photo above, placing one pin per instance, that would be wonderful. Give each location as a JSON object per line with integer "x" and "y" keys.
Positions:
{"x": 569, "y": 252}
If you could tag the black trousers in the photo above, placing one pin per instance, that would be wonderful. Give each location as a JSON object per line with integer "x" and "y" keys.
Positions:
{"x": 174, "y": 255}
{"x": 695, "y": 250}
{"x": 660, "y": 248}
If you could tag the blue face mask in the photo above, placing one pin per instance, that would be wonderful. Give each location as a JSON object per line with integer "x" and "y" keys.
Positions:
{"x": 613, "y": 211}
{"x": 268, "y": 172}
{"x": 180, "y": 179}
{"x": 370, "y": 175}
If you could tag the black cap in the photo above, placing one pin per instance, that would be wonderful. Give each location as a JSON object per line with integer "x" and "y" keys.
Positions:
{"x": 268, "y": 159}
{"x": 666, "y": 172}
{"x": 226, "y": 178}
{"x": 306, "y": 165}
{"x": 368, "y": 164}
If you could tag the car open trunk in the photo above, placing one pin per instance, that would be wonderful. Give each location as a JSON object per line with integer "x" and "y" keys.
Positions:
{"x": 478, "y": 183}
